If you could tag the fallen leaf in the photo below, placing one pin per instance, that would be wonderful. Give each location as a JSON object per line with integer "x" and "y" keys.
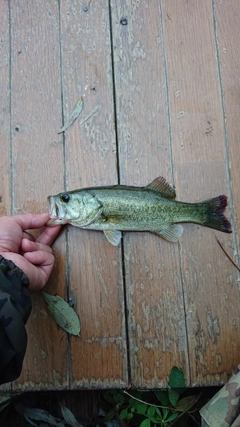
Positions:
{"x": 77, "y": 110}
{"x": 5, "y": 400}
{"x": 186, "y": 403}
{"x": 63, "y": 314}
{"x": 37, "y": 414}
{"x": 68, "y": 416}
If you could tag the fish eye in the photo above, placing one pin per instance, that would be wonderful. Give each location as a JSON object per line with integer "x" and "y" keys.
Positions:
{"x": 65, "y": 198}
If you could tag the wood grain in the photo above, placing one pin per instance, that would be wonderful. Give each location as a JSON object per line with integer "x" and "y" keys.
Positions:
{"x": 201, "y": 171}
{"x": 99, "y": 357}
{"x": 227, "y": 17}
{"x": 156, "y": 325}
{"x": 160, "y": 83}
{"x": 37, "y": 159}
{"x": 5, "y": 144}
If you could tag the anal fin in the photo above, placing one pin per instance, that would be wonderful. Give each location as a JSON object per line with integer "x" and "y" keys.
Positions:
{"x": 172, "y": 233}
{"x": 113, "y": 236}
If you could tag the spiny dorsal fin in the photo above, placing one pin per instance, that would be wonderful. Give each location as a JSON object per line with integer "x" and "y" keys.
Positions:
{"x": 160, "y": 184}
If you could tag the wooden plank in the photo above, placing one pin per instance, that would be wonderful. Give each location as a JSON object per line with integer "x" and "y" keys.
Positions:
{"x": 201, "y": 171}
{"x": 227, "y": 16}
{"x": 163, "y": 285}
{"x": 5, "y": 151}
{"x": 157, "y": 335}
{"x": 37, "y": 169}
{"x": 99, "y": 357}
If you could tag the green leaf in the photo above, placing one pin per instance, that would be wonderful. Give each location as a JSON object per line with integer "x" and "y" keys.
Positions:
{"x": 108, "y": 396}
{"x": 62, "y": 313}
{"x": 162, "y": 397}
{"x": 68, "y": 416}
{"x": 158, "y": 412}
{"x": 151, "y": 411}
{"x": 176, "y": 378}
{"x": 142, "y": 408}
{"x": 172, "y": 417}
{"x": 165, "y": 412}
{"x": 134, "y": 403}
{"x": 130, "y": 416}
{"x": 118, "y": 396}
{"x": 145, "y": 423}
{"x": 123, "y": 414}
{"x": 173, "y": 396}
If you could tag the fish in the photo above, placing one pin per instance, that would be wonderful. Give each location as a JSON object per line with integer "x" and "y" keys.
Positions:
{"x": 117, "y": 208}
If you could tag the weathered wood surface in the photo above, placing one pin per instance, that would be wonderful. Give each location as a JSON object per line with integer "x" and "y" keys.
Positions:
{"x": 99, "y": 356}
{"x": 156, "y": 320}
{"x": 5, "y": 144}
{"x": 160, "y": 85}
{"x": 201, "y": 171}
{"x": 227, "y": 18}
{"x": 37, "y": 162}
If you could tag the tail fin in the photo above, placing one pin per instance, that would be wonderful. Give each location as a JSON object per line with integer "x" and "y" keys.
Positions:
{"x": 215, "y": 217}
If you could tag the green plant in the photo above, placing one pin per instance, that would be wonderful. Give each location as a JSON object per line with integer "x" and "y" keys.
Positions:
{"x": 147, "y": 409}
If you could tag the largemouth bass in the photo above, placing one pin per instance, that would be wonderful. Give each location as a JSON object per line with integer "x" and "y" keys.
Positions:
{"x": 153, "y": 208}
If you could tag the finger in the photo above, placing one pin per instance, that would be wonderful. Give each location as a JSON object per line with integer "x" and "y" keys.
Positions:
{"x": 30, "y": 246}
{"x": 43, "y": 260}
{"x": 31, "y": 221}
{"x": 42, "y": 265}
{"x": 28, "y": 236}
{"x": 49, "y": 235}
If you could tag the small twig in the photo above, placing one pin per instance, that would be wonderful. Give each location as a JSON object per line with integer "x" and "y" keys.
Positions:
{"x": 226, "y": 253}
{"x": 151, "y": 404}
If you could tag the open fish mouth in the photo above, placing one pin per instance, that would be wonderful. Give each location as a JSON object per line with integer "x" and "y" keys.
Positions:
{"x": 52, "y": 207}
{"x": 53, "y": 221}
{"x": 55, "y": 212}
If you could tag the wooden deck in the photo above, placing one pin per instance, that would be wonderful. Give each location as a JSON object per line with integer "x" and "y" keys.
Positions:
{"x": 161, "y": 87}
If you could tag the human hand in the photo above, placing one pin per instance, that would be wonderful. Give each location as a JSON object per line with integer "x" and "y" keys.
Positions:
{"x": 33, "y": 256}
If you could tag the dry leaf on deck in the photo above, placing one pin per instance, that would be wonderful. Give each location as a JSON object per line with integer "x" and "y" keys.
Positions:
{"x": 63, "y": 314}
{"x": 77, "y": 110}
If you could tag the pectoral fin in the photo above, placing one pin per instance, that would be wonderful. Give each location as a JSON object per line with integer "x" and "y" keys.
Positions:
{"x": 113, "y": 236}
{"x": 172, "y": 233}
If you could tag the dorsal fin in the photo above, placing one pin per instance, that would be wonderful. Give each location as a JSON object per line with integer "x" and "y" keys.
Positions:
{"x": 160, "y": 184}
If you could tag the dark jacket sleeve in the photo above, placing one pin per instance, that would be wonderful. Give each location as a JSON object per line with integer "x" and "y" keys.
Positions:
{"x": 15, "y": 308}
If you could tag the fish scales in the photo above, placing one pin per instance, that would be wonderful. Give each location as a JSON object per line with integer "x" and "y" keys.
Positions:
{"x": 153, "y": 208}
{"x": 124, "y": 207}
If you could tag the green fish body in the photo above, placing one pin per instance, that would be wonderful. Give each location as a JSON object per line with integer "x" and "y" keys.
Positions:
{"x": 153, "y": 208}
